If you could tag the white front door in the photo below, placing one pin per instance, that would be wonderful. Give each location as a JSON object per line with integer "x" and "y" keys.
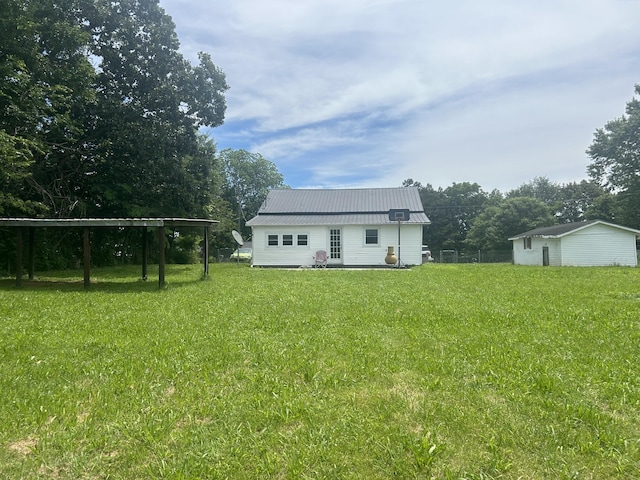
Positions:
{"x": 335, "y": 245}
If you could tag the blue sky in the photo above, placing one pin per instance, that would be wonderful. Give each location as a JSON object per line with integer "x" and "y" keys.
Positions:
{"x": 367, "y": 93}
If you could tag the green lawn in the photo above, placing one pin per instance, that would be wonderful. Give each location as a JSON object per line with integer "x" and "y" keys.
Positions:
{"x": 441, "y": 371}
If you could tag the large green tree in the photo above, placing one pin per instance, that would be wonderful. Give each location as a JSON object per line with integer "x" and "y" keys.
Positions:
{"x": 570, "y": 202}
{"x": 540, "y": 188}
{"x": 580, "y": 201}
{"x": 452, "y": 211}
{"x": 493, "y": 227}
{"x": 615, "y": 155}
{"x": 99, "y": 112}
{"x": 248, "y": 178}
{"x": 45, "y": 83}
{"x": 150, "y": 103}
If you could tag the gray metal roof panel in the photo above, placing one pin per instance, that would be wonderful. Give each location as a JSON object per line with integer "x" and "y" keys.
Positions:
{"x": 553, "y": 230}
{"x": 333, "y": 219}
{"x": 565, "y": 228}
{"x": 341, "y": 200}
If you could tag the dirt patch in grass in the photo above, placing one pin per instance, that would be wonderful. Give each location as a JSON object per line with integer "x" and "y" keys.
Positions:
{"x": 23, "y": 447}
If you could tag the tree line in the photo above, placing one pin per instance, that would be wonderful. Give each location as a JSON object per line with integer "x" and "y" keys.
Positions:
{"x": 464, "y": 217}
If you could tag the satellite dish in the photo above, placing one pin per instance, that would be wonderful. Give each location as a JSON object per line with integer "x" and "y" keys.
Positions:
{"x": 237, "y": 237}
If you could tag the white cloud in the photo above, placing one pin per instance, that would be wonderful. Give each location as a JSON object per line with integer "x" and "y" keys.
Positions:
{"x": 302, "y": 141}
{"x": 498, "y": 92}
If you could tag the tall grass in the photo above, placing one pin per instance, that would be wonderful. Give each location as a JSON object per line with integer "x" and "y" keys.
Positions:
{"x": 441, "y": 371}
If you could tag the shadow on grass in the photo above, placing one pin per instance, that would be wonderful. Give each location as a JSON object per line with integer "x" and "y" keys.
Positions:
{"x": 77, "y": 285}
{"x": 114, "y": 279}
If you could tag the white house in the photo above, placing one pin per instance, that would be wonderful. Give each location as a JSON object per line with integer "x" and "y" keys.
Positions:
{"x": 352, "y": 225}
{"x": 592, "y": 243}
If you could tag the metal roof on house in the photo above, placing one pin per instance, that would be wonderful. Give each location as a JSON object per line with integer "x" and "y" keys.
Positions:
{"x": 556, "y": 231}
{"x": 364, "y": 206}
{"x": 337, "y": 219}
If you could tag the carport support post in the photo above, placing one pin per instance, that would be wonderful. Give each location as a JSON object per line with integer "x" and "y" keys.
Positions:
{"x": 145, "y": 253}
{"x": 19, "y": 257}
{"x": 206, "y": 251}
{"x": 32, "y": 252}
{"x": 161, "y": 241}
{"x": 86, "y": 249}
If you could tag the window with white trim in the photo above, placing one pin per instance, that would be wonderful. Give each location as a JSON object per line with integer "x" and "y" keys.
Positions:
{"x": 371, "y": 236}
{"x": 527, "y": 243}
{"x": 288, "y": 240}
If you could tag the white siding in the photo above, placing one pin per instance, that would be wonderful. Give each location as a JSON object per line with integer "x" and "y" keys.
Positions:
{"x": 528, "y": 256}
{"x": 355, "y": 252}
{"x": 411, "y": 248}
{"x": 596, "y": 245}
{"x": 599, "y": 245}
{"x": 533, "y": 255}
{"x": 555, "y": 251}
{"x": 281, "y": 255}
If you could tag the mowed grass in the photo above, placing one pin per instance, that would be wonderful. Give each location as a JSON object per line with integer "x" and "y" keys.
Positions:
{"x": 441, "y": 371}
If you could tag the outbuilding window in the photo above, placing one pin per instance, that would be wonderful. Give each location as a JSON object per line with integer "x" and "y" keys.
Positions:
{"x": 287, "y": 240}
{"x": 272, "y": 240}
{"x": 527, "y": 243}
{"x": 303, "y": 240}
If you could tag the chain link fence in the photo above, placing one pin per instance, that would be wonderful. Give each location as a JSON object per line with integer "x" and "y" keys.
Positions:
{"x": 478, "y": 256}
{"x": 472, "y": 256}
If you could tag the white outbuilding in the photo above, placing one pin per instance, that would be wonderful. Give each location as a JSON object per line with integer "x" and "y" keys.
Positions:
{"x": 338, "y": 227}
{"x": 585, "y": 244}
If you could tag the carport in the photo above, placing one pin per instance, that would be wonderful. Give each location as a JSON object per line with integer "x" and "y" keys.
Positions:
{"x": 28, "y": 226}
